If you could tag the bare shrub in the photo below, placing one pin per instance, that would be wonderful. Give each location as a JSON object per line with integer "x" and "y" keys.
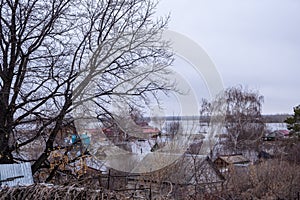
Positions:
{"x": 272, "y": 179}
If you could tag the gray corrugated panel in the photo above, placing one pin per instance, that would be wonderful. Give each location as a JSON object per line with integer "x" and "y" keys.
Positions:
{"x": 16, "y": 170}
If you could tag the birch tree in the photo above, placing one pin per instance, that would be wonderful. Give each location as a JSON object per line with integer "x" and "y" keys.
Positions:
{"x": 244, "y": 123}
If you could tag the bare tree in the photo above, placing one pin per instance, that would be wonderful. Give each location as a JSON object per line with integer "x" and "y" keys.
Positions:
{"x": 243, "y": 123}
{"x": 55, "y": 55}
{"x": 172, "y": 128}
{"x": 266, "y": 180}
{"x": 205, "y": 112}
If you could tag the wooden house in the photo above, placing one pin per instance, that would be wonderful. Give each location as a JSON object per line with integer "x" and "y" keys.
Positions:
{"x": 223, "y": 162}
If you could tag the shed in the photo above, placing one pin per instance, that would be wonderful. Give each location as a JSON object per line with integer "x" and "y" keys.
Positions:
{"x": 224, "y": 161}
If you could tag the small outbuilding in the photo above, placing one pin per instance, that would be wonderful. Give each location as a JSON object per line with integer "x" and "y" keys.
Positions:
{"x": 224, "y": 161}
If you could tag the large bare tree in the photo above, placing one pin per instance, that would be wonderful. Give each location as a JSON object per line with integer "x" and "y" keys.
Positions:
{"x": 57, "y": 54}
{"x": 244, "y": 123}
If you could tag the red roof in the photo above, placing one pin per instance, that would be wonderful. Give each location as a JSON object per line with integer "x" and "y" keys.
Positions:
{"x": 149, "y": 129}
{"x": 284, "y": 132}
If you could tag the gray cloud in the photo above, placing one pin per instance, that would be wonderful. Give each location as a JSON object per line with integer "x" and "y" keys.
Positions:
{"x": 255, "y": 43}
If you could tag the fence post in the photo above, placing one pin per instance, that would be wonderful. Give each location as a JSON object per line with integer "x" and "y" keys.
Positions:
{"x": 150, "y": 195}
{"x": 108, "y": 179}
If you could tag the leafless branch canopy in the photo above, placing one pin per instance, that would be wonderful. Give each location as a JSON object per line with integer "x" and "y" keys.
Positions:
{"x": 57, "y": 54}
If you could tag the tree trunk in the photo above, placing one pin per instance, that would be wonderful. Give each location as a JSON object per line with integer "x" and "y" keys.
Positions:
{"x": 5, "y": 154}
{"x": 5, "y": 129}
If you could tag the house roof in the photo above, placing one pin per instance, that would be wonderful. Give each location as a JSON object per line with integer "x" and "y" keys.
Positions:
{"x": 149, "y": 130}
{"x": 138, "y": 131}
{"x": 284, "y": 132}
{"x": 234, "y": 159}
{"x": 278, "y": 134}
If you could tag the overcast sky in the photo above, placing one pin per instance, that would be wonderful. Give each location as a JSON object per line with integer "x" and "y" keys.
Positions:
{"x": 254, "y": 43}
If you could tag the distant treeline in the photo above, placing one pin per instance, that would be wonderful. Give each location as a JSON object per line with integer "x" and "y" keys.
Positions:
{"x": 276, "y": 118}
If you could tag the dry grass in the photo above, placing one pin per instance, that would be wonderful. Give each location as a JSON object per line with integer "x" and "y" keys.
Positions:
{"x": 40, "y": 192}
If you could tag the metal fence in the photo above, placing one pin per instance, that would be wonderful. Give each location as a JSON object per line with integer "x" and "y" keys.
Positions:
{"x": 15, "y": 174}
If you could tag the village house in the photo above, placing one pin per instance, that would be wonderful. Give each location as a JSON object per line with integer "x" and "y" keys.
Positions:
{"x": 224, "y": 162}
{"x": 276, "y": 135}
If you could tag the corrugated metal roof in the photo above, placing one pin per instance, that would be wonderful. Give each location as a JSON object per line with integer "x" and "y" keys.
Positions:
{"x": 17, "y": 174}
